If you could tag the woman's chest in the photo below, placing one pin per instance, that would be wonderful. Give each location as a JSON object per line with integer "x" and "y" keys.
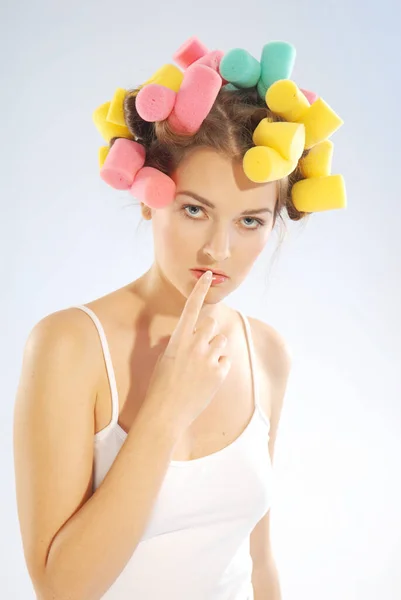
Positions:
{"x": 219, "y": 425}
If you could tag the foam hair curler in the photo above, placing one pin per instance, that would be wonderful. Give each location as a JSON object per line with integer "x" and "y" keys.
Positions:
{"x": 122, "y": 163}
{"x": 240, "y": 68}
{"x": 123, "y": 169}
{"x": 286, "y": 99}
{"x": 279, "y": 146}
{"x": 318, "y": 161}
{"x": 310, "y": 96}
{"x": 108, "y": 129}
{"x": 153, "y": 188}
{"x": 213, "y": 60}
{"x": 189, "y": 52}
{"x": 319, "y": 193}
{"x": 195, "y": 98}
{"x": 155, "y": 102}
{"x": 277, "y": 62}
{"x": 168, "y": 75}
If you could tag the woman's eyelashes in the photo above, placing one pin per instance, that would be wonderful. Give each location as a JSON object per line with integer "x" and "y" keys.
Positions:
{"x": 259, "y": 222}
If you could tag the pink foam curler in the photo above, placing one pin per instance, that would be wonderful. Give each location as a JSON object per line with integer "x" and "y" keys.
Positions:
{"x": 212, "y": 59}
{"x": 189, "y": 52}
{"x": 310, "y": 96}
{"x": 153, "y": 188}
{"x": 155, "y": 102}
{"x": 195, "y": 98}
{"x": 123, "y": 161}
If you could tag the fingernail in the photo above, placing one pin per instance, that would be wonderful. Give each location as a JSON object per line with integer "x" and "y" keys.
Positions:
{"x": 208, "y": 275}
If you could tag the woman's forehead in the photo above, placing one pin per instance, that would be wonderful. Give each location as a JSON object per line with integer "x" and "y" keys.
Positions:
{"x": 214, "y": 176}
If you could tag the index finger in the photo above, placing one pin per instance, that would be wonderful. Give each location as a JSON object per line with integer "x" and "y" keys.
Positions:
{"x": 190, "y": 314}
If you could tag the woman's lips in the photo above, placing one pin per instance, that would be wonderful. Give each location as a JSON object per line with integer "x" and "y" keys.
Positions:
{"x": 216, "y": 279}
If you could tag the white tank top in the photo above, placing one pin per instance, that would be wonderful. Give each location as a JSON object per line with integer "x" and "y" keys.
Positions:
{"x": 196, "y": 545}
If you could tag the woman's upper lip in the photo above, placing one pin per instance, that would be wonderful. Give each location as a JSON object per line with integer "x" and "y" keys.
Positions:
{"x": 208, "y": 269}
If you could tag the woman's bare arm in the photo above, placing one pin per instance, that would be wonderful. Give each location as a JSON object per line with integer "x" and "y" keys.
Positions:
{"x": 77, "y": 543}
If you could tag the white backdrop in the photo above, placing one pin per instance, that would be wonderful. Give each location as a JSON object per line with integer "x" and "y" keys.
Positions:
{"x": 334, "y": 291}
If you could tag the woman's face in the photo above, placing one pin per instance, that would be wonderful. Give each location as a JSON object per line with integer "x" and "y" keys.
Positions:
{"x": 226, "y": 237}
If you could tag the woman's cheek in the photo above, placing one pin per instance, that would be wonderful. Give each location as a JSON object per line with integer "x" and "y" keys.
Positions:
{"x": 177, "y": 239}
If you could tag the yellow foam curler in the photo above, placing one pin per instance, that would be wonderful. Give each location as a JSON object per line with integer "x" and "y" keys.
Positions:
{"x": 319, "y": 193}
{"x": 106, "y": 129}
{"x": 262, "y": 164}
{"x": 320, "y": 122}
{"x": 102, "y": 154}
{"x": 116, "y": 110}
{"x": 288, "y": 139}
{"x": 168, "y": 75}
{"x": 318, "y": 161}
{"x": 286, "y": 100}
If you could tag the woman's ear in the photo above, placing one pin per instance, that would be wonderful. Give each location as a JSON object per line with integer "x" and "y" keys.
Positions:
{"x": 146, "y": 212}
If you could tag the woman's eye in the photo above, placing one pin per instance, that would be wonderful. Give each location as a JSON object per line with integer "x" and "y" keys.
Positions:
{"x": 192, "y": 215}
{"x": 192, "y": 206}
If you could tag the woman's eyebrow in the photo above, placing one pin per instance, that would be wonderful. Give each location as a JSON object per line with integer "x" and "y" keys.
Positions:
{"x": 251, "y": 211}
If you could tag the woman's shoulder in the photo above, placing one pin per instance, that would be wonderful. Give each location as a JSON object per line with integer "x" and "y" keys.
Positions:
{"x": 72, "y": 327}
{"x": 271, "y": 346}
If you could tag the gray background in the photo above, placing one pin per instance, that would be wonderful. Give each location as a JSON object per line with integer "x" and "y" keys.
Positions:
{"x": 333, "y": 291}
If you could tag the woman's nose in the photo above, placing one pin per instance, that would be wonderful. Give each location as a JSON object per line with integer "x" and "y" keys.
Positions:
{"x": 218, "y": 247}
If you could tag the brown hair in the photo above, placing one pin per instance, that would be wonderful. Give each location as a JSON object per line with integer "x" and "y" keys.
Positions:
{"x": 228, "y": 128}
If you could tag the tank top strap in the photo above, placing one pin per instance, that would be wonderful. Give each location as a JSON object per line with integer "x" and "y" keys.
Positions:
{"x": 252, "y": 359}
{"x": 109, "y": 363}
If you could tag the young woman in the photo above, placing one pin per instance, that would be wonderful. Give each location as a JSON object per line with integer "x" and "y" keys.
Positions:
{"x": 146, "y": 420}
